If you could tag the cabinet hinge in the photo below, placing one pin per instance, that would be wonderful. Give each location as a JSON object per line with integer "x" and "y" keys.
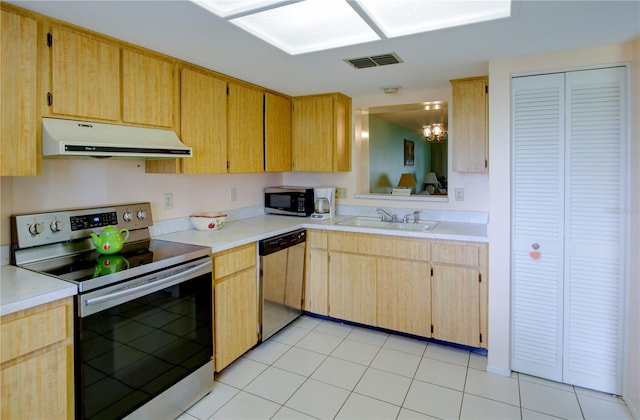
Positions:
{"x": 49, "y": 39}
{"x": 486, "y": 88}
{"x": 432, "y": 276}
{"x": 431, "y": 328}
{"x": 481, "y": 337}
{"x": 49, "y": 99}
{"x": 227, "y": 165}
{"x": 227, "y": 90}
{"x": 486, "y": 164}
{"x": 479, "y": 277}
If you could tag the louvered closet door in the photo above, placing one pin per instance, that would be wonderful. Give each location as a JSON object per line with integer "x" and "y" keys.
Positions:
{"x": 537, "y": 224}
{"x": 595, "y": 231}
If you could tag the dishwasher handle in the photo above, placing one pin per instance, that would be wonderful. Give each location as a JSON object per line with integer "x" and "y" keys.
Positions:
{"x": 280, "y": 242}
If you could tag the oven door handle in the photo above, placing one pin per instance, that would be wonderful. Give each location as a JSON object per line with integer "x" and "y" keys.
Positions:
{"x": 151, "y": 284}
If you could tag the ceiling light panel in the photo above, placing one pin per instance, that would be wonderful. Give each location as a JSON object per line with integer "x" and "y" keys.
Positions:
{"x": 398, "y": 18}
{"x": 311, "y": 25}
{"x": 226, "y": 8}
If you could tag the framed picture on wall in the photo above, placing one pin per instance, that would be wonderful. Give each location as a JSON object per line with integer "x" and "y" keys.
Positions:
{"x": 409, "y": 151}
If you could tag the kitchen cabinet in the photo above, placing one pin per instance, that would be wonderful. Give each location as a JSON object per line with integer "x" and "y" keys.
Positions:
{"x": 277, "y": 133}
{"x": 19, "y": 145}
{"x": 235, "y": 297}
{"x": 37, "y": 362}
{"x": 85, "y": 76}
{"x": 148, "y": 90}
{"x": 469, "y": 128}
{"x": 245, "y": 129}
{"x": 321, "y": 133}
{"x": 316, "y": 288}
{"x": 203, "y": 124}
{"x": 459, "y": 293}
{"x": 352, "y": 287}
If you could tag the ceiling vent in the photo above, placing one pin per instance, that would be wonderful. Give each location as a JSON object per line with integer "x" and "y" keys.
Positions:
{"x": 374, "y": 61}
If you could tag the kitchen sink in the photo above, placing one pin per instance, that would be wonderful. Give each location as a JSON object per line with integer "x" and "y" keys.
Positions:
{"x": 376, "y": 223}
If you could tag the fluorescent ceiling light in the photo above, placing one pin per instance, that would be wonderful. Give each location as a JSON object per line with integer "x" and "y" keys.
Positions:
{"x": 302, "y": 26}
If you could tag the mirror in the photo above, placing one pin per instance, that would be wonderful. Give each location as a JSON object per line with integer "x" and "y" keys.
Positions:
{"x": 404, "y": 139}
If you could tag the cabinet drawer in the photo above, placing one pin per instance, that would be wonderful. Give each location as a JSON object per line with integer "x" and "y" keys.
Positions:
{"x": 316, "y": 239}
{"x": 395, "y": 247}
{"x": 234, "y": 260}
{"x": 24, "y": 335}
{"x": 455, "y": 254}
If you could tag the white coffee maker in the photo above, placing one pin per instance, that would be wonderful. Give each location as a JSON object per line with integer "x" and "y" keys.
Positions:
{"x": 325, "y": 203}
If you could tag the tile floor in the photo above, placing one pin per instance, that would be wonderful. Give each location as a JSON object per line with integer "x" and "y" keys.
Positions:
{"x": 321, "y": 369}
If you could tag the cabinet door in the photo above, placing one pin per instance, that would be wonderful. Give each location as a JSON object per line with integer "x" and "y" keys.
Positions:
{"x": 148, "y": 90}
{"x": 469, "y": 139}
{"x": 277, "y": 129}
{"x": 245, "y": 141}
{"x": 404, "y": 296}
{"x": 352, "y": 287}
{"x": 85, "y": 76}
{"x": 19, "y": 146}
{"x": 236, "y": 316}
{"x": 455, "y": 304}
{"x": 204, "y": 122}
{"x": 317, "y": 282}
{"x": 312, "y": 137}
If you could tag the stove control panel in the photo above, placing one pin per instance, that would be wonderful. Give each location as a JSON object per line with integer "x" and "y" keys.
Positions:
{"x": 45, "y": 228}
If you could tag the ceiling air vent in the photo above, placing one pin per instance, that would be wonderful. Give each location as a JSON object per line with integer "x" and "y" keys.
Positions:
{"x": 374, "y": 61}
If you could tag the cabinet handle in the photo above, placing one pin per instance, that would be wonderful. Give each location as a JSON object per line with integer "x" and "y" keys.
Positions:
{"x": 49, "y": 99}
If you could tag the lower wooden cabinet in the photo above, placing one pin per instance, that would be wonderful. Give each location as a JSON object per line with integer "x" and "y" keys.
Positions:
{"x": 352, "y": 287}
{"x": 316, "y": 285}
{"x": 37, "y": 362}
{"x": 235, "y": 300}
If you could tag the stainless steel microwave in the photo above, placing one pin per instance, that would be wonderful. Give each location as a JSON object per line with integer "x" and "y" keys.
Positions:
{"x": 289, "y": 201}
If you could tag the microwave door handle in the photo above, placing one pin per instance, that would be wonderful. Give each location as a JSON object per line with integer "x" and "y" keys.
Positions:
{"x": 154, "y": 284}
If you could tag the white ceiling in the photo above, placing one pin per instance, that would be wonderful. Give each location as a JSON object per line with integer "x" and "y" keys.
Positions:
{"x": 184, "y": 30}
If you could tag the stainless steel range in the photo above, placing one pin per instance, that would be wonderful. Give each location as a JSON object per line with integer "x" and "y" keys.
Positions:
{"x": 144, "y": 340}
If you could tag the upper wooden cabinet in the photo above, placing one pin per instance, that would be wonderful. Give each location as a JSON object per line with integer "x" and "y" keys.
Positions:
{"x": 19, "y": 145}
{"x": 85, "y": 76}
{"x": 245, "y": 125}
{"x": 148, "y": 90}
{"x": 469, "y": 128}
{"x": 321, "y": 139}
{"x": 203, "y": 122}
{"x": 277, "y": 133}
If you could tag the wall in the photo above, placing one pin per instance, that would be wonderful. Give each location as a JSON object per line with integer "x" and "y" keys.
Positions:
{"x": 91, "y": 182}
{"x": 500, "y": 72}
{"x": 386, "y": 161}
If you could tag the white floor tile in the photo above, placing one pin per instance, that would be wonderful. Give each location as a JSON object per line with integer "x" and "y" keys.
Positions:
{"x": 433, "y": 400}
{"x": 300, "y": 361}
{"x": 405, "y": 344}
{"x": 240, "y": 373}
{"x": 361, "y": 407}
{"x": 481, "y": 408}
{"x": 365, "y": 335}
{"x": 442, "y": 373}
{"x": 290, "y": 335}
{"x": 600, "y": 409}
{"x": 545, "y": 382}
{"x": 285, "y": 413}
{"x": 306, "y": 322}
{"x": 396, "y": 361}
{"x": 319, "y": 342}
{"x": 356, "y": 351}
{"x": 275, "y": 385}
{"x": 447, "y": 354}
{"x": 549, "y": 400}
{"x": 535, "y": 415}
{"x": 334, "y": 328}
{"x": 477, "y": 361}
{"x": 186, "y": 416}
{"x": 268, "y": 352}
{"x": 247, "y": 406}
{"x": 598, "y": 394}
{"x": 212, "y": 402}
{"x": 490, "y": 385}
{"x": 338, "y": 372}
{"x": 412, "y": 415}
{"x": 384, "y": 386}
{"x": 318, "y": 399}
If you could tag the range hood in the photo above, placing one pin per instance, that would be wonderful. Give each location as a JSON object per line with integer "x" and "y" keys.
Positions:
{"x": 72, "y": 139}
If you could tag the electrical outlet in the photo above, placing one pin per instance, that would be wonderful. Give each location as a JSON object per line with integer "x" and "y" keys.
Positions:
{"x": 341, "y": 192}
{"x": 233, "y": 194}
{"x": 167, "y": 200}
{"x": 459, "y": 194}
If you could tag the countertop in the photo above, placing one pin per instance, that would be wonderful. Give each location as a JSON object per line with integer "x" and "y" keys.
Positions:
{"x": 21, "y": 289}
{"x": 254, "y": 229}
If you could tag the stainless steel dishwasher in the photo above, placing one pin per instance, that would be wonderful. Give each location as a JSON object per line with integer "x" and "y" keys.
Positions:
{"x": 281, "y": 281}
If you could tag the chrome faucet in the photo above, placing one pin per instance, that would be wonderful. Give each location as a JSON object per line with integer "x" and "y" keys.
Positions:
{"x": 389, "y": 217}
{"x": 415, "y": 218}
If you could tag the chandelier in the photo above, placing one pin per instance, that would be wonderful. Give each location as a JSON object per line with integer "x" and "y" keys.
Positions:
{"x": 436, "y": 131}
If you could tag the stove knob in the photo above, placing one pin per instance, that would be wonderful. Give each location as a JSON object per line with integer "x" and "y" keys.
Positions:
{"x": 127, "y": 216}
{"x": 56, "y": 226}
{"x": 36, "y": 228}
{"x": 141, "y": 214}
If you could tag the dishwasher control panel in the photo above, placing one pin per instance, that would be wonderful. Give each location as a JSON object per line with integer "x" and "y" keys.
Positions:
{"x": 280, "y": 242}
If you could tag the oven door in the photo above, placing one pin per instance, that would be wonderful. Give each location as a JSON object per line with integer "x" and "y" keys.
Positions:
{"x": 138, "y": 338}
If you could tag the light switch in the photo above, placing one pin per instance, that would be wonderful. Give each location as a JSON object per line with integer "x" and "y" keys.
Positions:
{"x": 459, "y": 194}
